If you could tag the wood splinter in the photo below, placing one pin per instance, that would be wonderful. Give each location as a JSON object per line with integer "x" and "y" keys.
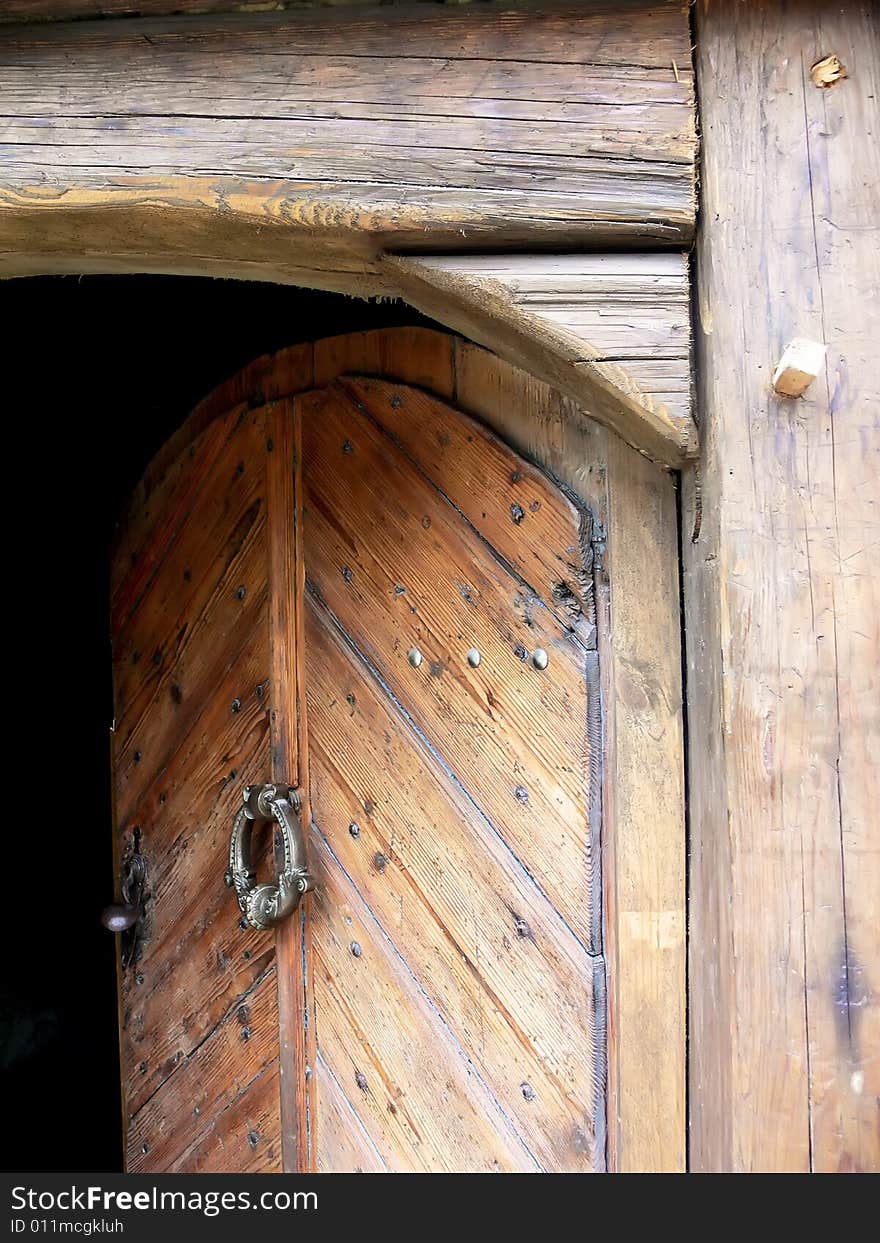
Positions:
{"x": 801, "y": 362}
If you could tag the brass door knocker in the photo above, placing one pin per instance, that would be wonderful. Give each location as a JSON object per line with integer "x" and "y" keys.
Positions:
{"x": 264, "y": 905}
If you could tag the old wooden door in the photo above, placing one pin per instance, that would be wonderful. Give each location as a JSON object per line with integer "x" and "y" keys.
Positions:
{"x": 451, "y": 1008}
{"x": 204, "y": 605}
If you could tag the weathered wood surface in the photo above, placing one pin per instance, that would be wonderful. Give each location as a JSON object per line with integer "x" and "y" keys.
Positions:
{"x": 631, "y": 309}
{"x": 643, "y": 892}
{"x": 193, "y": 690}
{"x": 475, "y": 792}
{"x": 643, "y": 787}
{"x": 573, "y": 320}
{"x": 80, "y": 10}
{"x": 290, "y": 765}
{"x": 429, "y": 127}
{"x": 782, "y": 593}
{"x": 643, "y": 822}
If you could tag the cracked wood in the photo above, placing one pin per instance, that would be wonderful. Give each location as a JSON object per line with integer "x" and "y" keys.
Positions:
{"x": 782, "y": 596}
{"x": 430, "y": 127}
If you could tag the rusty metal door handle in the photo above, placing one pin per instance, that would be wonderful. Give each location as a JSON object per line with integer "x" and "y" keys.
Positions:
{"x": 265, "y": 905}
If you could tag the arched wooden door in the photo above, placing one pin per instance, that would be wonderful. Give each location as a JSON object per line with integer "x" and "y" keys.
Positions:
{"x": 437, "y": 1003}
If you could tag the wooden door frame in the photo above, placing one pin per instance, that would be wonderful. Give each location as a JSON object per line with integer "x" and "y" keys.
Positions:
{"x": 643, "y": 834}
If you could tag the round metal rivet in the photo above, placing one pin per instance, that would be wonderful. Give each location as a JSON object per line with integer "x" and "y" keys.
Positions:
{"x": 473, "y": 657}
{"x": 540, "y": 658}
{"x": 415, "y": 658}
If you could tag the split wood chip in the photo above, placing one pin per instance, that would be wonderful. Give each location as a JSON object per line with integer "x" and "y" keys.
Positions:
{"x": 827, "y": 71}
{"x": 801, "y": 362}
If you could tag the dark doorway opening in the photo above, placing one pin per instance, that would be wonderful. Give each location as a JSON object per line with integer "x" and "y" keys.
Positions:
{"x": 102, "y": 370}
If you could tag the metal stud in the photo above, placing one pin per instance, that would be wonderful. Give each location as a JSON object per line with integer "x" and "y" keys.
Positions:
{"x": 540, "y": 658}
{"x": 415, "y": 657}
{"x": 473, "y": 657}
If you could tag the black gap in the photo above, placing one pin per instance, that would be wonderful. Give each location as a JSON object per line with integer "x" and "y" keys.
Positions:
{"x": 98, "y": 372}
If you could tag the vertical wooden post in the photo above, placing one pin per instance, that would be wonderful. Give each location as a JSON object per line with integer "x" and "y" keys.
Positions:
{"x": 782, "y": 594}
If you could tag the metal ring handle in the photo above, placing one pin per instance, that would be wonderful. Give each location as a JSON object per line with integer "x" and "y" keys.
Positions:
{"x": 264, "y": 906}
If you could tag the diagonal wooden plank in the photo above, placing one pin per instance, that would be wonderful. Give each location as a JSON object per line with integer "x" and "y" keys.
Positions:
{"x": 539, "y": 531}
{"x": 402, "y": 570}
{"x": 511, "y": 982}
{"x": 384, "y": 1041}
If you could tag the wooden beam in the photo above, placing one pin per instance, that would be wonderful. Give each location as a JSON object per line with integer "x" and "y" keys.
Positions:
{"x": 424, "y": 126}
{"x": 572, "y": 320}
{"x": 782, "y": 596}
{"x": 84, "y": 10}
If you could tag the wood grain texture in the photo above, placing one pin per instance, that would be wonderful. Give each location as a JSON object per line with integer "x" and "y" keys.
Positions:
{"x": 193, "y": 687}
{"x": 483, "y": 944}
{"x": 609, "y": 46}
{"x": 290, "y": 765}
{"x": 542, "y": 534}
{"x": 218, "y": 1112}
{"x": 415, "y": 1094}
{"x": 392, "y": 560}
{"x": 429, "y": 127}
{"x": 622, "y": 308}
{"x": 781, "y": 593}
{"x": 643, "y": 784}
{"x": 643, "y": 825}
{"x": 544, "y": 311}
{"x": 475, "y": 792}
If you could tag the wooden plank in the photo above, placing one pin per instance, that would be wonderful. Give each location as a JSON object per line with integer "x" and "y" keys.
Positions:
{"x": 422, "y": 579}
{"x": 419, "y": 356}
{"x": 644, "y": 859}
{"x": 484, "y": 303}
{"x": 194, "y": 660}
{"x": 209, "y": 532}
{"x": 252, "y": 1117}
{"x": 413, "y": 136}
{"x": 540, "y": 533}
{"x": 781, "y": 595}
{"x": 492, "y": 28}
{"x": 643, "y": 823}
{"x": 207, "y": 1116}
{"x": 198, "y": 960}
{"x": 348, "y": 1146}
{"x": 845, "y": 1067}
{"x": 418, "y": 1097}
{"x": 153, "y": 524}
{"x": 487, "y": 949}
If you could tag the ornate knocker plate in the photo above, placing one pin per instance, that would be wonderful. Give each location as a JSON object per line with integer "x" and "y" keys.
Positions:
{"x": 265, "y": 905}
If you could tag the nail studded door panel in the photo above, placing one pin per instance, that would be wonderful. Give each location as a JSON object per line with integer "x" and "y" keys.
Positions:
{"x": 454, "y": 754}
{"x": 437, "y": 1003}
